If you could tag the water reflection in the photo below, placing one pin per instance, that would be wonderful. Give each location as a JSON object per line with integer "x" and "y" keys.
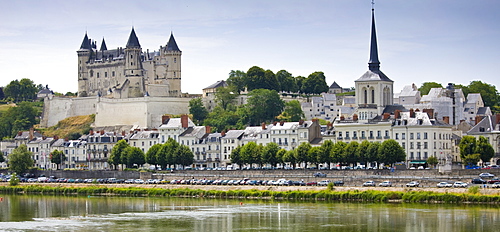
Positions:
{"x": 57, "y": 213}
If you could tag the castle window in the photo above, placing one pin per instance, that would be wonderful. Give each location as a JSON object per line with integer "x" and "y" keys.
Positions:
{"x": 113, "y": 73}
{"x": 105, "y": 74}
{"x": 175, "y": 60}
{"x": 131, "y": 56}
{"x": 131, "y": 63}
{"x": 91, "y": 73}
{"x": 175, "y": 74}
{"x": 97, "y": 75}
{"x": 373, "y": 96}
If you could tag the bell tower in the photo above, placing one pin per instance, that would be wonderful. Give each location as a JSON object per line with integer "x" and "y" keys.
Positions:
{"x": 133, "y": 66}
{"x": 84, "y": 55}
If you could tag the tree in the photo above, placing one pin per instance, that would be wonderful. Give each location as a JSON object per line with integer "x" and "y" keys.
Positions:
{"x": 251, "y": 153}
{"x": 166, "y": 156}
{"x": 302, "y": 153}
{"x": 135, "y": 156}
{"x": 471, "y": 159}
{"x": 432, "y": 161}
{"x": 237, "y": 80}
{"x": 427, "y": 86}
{"x": 269, "y": 154}
{"x": 467, "y": 146}
{"x": 488, "y": 92}
{"x": 18, "y": 118}
{"x": 299, "y": 82}
{"x": 57, "y": 157}
{"x": 484, "y": 149}
{"x": 224, "y": 97}
{"x": 185, "y": 156}
{"x": 372, "y": 152}
{"x": 280, "y": 155}
{"x": 220, "y": 119}
{"x": 2, "y": 159}
{"x": 263, "y": 106}
{"x": 391, "y": 152}
{"x": 315, "y": 83}
{"x": 314, "y": 155}
{"x": 289, "y": 157}
{"x": 293, "y": 112}
{"x": 2, "y": 95}
{"x": 24, "y": 90}
{"x": 20, "y": 159}
{"x": 326, "y": 151}
{"x": 270, "y": 81}
{"x": 117, "y": 155}
{"x": 338, "y": 152}
{"x": 236, "y": 156}
{"x": 351, "y": 151}
{"x": 255, "y": 76}
{"x": 198, "y": 110}
{"x": 362, "y": 152}
{"x": 150, "y": 156}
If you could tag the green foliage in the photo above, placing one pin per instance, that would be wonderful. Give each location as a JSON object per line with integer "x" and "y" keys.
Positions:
{"x": 488, "y": 92}
{"x": 134, "y": 156}
{"x": 251, "y": 153}
{"x": 20, "y": 159}
{"x": 225, "y": 97}
{"x": 14, "y": 180}
{"x": 57, "y": 157}
{"x": 315, "y": 84}
{"x": 172, "y": 153}
{"x": 269, "y": 154}
{"x": 467, "y": 146}
{"x": 484, "y": 149}
{"x": 255, "y": 76}
{"x": 236, "y": 156}
{"x": 19, "y": 118}
{"x": 471, "y": 159}
{"x": 302, "y": 153}
{"x": 237, "y": 80}
{"x": 150, "y": 156}
{"x": 118, "y": 155}
{"x": 391, "y": 152}
{"x": 293, "y": 112}
{"x": 427, "y": 86}
{"x": 198, "y": 110}
{"x": 24, "y": 90}
{"x": 473, "y": 190}
{"x": 330, "y": 186}
{"x": 263, "y": 106}
{"x": 338, "y": 151}
{"x": 2, "y": 159}
{"x": 351, "y": 153}
{"x": 432, "y": 161}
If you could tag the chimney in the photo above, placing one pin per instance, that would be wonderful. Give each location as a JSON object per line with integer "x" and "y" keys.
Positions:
{"x": 56, "y": 137}
{"x": 446, "y": 119}
{"x": 66, "y": 139}
{"x": 314, "y": 120}
{"x": 301, "y": 122}
{"x": 386, "y": 116}
{"x": 19, "y": 133}
{"x": 263, "y": 125}
{"x": 208, "y": 130}
{"x": 355, "y": 117}
{"x": 497, "y": 121}
{"x": 330, "y": 125}
{"x": 274, "y": 123}
{"x": 429, "y": 112}
{"x": 91, "y": 132}
{"x": 223, "y": 133}
{"x": 417, "y": 110}
{"x": 184, "y": 121}
{"x": 397, "y": 114}
{"x": 102, "y": 132}
{"x": 342, "y": 118}
{"x": 32, "y": 133}
{"x": 44, "y": 138}
{"x": 282, "y": 122}
{"x": 478, "y": 119}
{"x": 412, "y": 113}
{"x": 123, "y": 133}
{"x": 165, "y": 119}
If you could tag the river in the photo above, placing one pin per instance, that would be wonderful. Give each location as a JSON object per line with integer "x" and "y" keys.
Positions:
{"x": 93, "y": 213}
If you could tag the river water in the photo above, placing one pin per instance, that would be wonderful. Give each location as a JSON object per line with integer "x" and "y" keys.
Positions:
{"x": 61, "y": 213}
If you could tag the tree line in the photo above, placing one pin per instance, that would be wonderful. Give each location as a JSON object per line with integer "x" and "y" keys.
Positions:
{"x": 473, "y": 150}
{"x": 165, "y": 155}
{"x": 345, "y": 154}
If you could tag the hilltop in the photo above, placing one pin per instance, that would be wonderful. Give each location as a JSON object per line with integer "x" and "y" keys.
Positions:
{"x": 72, "y": 127}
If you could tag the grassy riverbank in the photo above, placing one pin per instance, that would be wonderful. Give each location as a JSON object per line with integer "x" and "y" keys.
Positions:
{"x": 313, "y": 195}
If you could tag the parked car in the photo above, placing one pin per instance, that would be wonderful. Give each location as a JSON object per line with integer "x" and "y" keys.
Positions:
{"x": 319, "y": 174}
{"x": 338, "y": 183}
{"x": 324, "y": 182}
{"x": 369, "y": 184}
{"x": 478, "y": 181}
{"x": 459, "y": 184}
{"x": 385, "y": 184}
{"x": 496, "y": 185}
{"x": 412, "y": 184}
{"x": 444, "y": 185}
{"x": 494, "y": 180}
{"x": 311, "y": 183}
{"x": 486, "y": 175}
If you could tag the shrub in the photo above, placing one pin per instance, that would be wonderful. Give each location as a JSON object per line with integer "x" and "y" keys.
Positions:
{"x": 473, "y": 190}
{"x": 14, "y": 180}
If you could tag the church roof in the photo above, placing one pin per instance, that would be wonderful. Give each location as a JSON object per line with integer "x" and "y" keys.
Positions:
{"x": 133, "y": 41}
{"x": 85, "y": 42}
{"x": 374, "y": 76}
{"x": 172, "y": 45}
{"x": 335, "y": 86}
{"x": 103, "y": 45}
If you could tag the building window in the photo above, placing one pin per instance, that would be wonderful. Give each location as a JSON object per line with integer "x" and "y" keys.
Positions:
{"x": 411, "y": 135}
{"x": 175, "y": 60}
{"x": 105, "y": 74}
{"x": 362, "y": 134}
{"x": 418, "y": 135}
{"x": 425, "y": 145}
{"x": 113, "y": 73}
{"x": 425, "y": 135}
{"x": 411, "y": 145}
{"x": 397, "y": 135}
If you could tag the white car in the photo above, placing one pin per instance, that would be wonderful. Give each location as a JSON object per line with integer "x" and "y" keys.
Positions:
{"x": 385, "y": 184}
{"x": 486, "y": 175}
{"x": 369, "y": 183}
{"x": 444, "y": 185}
{"x": 412, "y": 184}
{"x": 459, "y": 184}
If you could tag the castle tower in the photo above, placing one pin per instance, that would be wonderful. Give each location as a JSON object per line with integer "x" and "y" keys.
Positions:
{"x": 84, "y": 55}
{"x": 374, "y": 90}
{"x": 133, "y": 66}
{"x": 173, "y": 56}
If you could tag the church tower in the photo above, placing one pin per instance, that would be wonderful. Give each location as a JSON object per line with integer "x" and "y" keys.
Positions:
{"x": 84, "y": 55}
{"x": 133, "y": 66}
{"x": 173, "y": 56}
{"x": 374, "y": 90}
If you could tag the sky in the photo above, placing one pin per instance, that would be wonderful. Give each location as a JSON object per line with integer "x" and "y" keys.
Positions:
{"x": 419, "y": 41}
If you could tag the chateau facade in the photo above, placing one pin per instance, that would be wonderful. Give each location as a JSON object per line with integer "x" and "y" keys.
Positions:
{"x": 129, "y": 72}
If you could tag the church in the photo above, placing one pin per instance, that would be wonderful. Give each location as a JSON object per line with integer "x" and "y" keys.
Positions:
{"x": 129, "y": 72}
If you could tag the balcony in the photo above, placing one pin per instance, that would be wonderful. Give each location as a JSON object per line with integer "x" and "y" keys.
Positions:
{"x": 209, "y": 159}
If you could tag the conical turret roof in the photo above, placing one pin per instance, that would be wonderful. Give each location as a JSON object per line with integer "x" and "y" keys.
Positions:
{"x": 86, "y": 42}
{"x": 103, "y": 45}
{"x": 133, "y": 41}
{"x": 172, "y": 45}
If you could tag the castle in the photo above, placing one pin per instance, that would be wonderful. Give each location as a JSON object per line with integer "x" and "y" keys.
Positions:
{"x": 130, "y": 72}
{"x": 123, "y": 86}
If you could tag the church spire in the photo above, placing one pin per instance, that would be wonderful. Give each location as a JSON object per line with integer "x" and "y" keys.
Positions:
{"x": 171, "y": 44}
{"x": 85, "y": 42}
{"x": 103, "y": 45}
{"x": 374, "y": 63}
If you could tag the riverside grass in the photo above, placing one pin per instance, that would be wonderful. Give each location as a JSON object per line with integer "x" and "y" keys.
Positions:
{"x": 322, "y": 195}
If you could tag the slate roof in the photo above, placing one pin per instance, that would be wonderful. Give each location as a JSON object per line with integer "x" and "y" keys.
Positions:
{"x": 217, "y": 84}
{"x": 171, "y": 44}
{"x": 234, "y": 134}
{"x": 485, "y": 125}
{"x": 335, "y": 86}
{"x": 86, "y": 42}
{"x": 392, "y": 108}
{"x": 103, "y": 45}
{"x": 482, "y": 110}
{"x": 133, "y": 41}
